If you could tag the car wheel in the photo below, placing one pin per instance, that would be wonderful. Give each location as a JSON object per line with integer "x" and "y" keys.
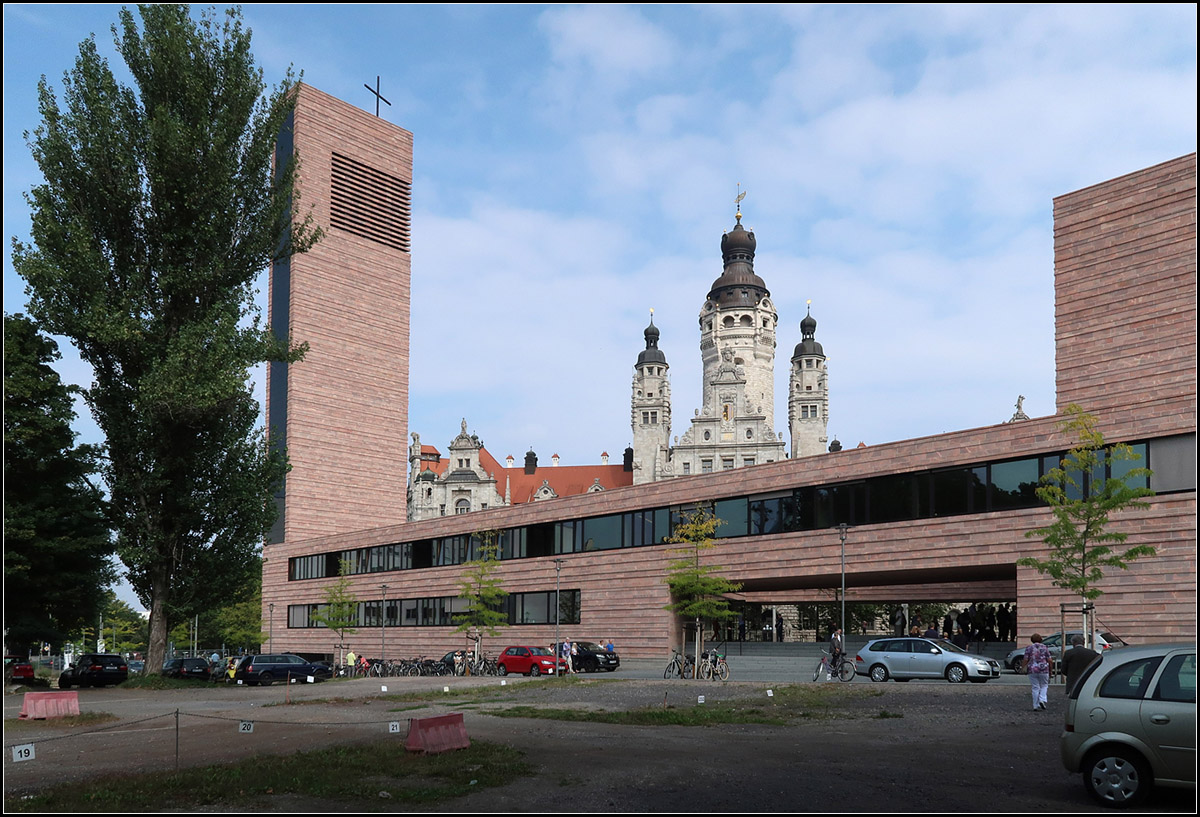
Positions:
{"x": 64, "y": 683}
{"x": 501, "y": 670}
{"x": 534, "y": 671}
{"x": 879, "y": 673}
{"x": 956, "y": 673}
{"x": 1116, "y": 777}
{"x": 264, "y": 679}
{"x": 1018, "y": 665}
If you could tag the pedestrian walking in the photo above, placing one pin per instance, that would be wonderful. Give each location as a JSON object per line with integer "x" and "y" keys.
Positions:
{"x": 1076, "y": 660}
{"x": 1037, "y": 659}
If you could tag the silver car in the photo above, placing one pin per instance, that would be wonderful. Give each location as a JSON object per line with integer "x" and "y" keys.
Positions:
{"x": 1131, "y": 723}
{"x": 1015, "y": 660}
{"x": 907, "y": 658}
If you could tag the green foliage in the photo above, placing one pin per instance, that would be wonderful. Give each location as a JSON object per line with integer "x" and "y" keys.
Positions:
{"x": 340, "y": 610}
{"x": 481, "y": 589}
{"x": 697, "y": 589}
{"x": 356, "y": 777}
{"x": 56, "y": 542}
{"x": 1080, "y": 543}
{"x": 159, "y": 208}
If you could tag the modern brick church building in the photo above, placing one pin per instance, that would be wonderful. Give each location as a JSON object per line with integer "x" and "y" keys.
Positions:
{"x": 940, "y": 518}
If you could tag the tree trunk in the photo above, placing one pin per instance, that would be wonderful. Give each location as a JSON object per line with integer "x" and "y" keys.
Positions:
{"x": 156, "y": 651}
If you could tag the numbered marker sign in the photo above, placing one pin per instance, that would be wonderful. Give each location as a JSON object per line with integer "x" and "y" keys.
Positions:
{"x": 383, "y": 688}
{"x": 245, "y": 727}
{"x": 770, "y": 693}
{"x": 23, "y": 752}
{"x": 394, "y": 727}
{"x": 700, "y": 699}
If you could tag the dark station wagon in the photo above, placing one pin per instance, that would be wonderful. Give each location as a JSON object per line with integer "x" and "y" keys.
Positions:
{"x": 266, "y": 669}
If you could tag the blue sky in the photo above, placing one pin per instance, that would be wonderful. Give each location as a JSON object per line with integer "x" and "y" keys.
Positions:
{"x": 575, "y": 166}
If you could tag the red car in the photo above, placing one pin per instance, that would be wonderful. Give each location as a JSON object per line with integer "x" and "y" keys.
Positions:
{"x": 529, "y": 661}
{"x": 20, "y": 668}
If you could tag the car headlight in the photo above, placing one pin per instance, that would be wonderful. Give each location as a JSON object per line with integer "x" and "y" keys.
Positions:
{"x": 983, "y": 665}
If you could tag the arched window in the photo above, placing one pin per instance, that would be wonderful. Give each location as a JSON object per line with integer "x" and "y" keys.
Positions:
{"x": 462, "y": 506}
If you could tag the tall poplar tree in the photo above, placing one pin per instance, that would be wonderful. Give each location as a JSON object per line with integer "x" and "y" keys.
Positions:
{"x": 159, "y": 208}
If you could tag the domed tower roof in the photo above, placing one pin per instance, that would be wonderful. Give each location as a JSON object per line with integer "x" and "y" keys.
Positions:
{"x": 652, "y": 354}
{"x": 808, "y": 346}
{"x": 738, "y": 285}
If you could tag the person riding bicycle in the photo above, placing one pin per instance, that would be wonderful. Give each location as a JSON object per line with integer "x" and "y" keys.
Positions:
{"x": 837, "y": 649}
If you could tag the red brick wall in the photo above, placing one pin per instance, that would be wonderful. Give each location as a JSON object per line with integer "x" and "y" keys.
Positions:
{"x": 1125, "y": 286}
{"x": 347, "y": 401}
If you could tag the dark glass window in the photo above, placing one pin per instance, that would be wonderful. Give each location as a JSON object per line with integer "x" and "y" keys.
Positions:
{"x": 892, "y": 498}
{"x": 568, "y": 536}
{"x": 1121, "y": 468}
{"x": 733, "y": 514}
{"x": 836, "y": 504}
{"x": 1013, "y": 484}
{"x": 602, "y": 533}
{"x": 540, "y": 539}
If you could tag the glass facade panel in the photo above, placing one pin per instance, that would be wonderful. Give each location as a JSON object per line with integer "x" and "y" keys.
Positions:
{"x": 1121, "y": 468}
{"x": 602, "y": 533}
{"x": 1013, "y": 485}
{"x": 892, "y": 498}
{"x": 766, "y": 516}
{"x": 568, "y": 536}
{"x": 734, "y": 515}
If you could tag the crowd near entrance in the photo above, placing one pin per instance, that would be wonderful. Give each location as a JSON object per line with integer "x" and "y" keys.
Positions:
{"x": 810, "y": 622}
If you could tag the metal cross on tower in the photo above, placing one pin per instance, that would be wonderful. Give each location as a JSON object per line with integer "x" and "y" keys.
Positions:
{"x": 378, "y": 96}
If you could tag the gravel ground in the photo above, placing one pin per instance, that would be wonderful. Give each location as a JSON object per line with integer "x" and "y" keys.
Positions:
{"x": 942, "y": 747}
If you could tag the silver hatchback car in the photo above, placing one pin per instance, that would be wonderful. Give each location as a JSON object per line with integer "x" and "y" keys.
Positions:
{"x": 1131, "y": 723}
{"x": 907, "y": 658}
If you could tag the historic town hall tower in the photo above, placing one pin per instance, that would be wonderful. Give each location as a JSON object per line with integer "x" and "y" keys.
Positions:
{"x": 734, "y": 427}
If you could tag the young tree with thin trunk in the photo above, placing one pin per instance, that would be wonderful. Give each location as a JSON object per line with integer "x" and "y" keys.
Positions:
{"x": 697, "y": 590}
{"x": 480, "y": 588}
{"x": 160, "y": 207}
{"x": 1088, "y": 487}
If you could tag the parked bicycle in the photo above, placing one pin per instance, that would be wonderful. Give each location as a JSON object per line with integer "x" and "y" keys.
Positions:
{"x": 680, "y": 666}
{"x": 713, "y": 666}
{"x": 841, "y": 668}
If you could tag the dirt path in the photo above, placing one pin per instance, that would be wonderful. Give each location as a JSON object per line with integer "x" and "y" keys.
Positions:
{"x": 940, "y": 747}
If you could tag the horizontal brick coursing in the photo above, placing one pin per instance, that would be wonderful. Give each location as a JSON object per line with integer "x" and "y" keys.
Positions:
{"x": 347, "y": 402}
{"x": 1125, "y": 287}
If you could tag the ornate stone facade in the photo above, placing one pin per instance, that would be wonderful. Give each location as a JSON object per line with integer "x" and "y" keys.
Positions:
{"x": 734, "y": 427}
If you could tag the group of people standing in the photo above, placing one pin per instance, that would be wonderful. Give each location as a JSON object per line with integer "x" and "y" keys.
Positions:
{"x": 976, "y": 622}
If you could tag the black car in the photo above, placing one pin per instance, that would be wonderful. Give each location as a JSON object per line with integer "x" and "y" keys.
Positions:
{"x": 94, "y": 670}
{"x": 196, "y": 668}
{"x": 591, "y": 657}
{"x": 266, "y": 669}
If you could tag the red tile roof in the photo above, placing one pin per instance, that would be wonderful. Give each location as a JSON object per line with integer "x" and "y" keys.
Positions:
{"x": 564, "y": 480}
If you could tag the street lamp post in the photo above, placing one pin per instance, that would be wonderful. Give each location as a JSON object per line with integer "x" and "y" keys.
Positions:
{"x": 842, "y": 528}
{"x": 383, "y": 625}
{"x": 558, "y": 563}
{"x": 271, "y": 632}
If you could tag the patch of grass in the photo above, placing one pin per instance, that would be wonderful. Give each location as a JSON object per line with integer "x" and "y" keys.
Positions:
{"x": 64, "y": 722}
{"x": 884, "y": 714}
{"x": 705, "y": 715}
{"x": 361, "y": 778}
